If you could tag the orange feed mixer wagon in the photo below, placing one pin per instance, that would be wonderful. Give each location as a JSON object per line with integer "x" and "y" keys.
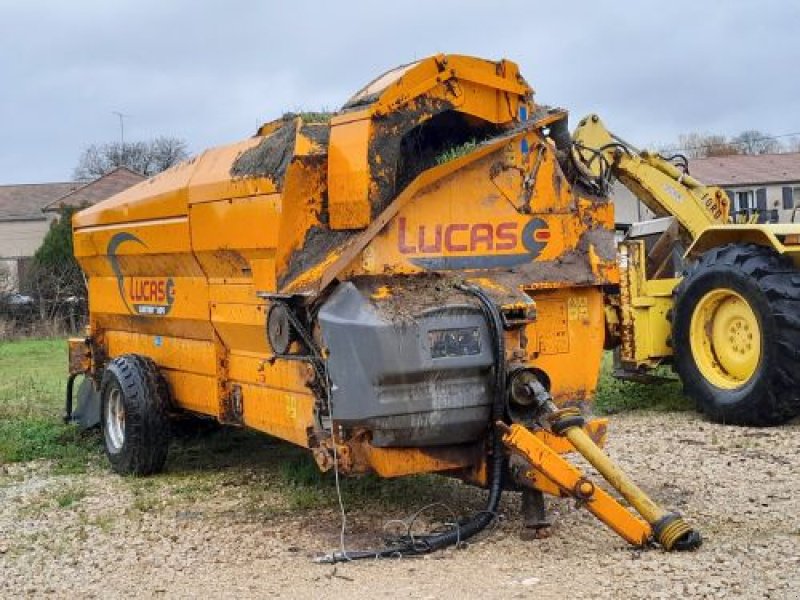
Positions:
{"x": 379, "y": 285}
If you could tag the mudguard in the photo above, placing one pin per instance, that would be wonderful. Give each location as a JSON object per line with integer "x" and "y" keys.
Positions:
{"x": 87, "y": 411}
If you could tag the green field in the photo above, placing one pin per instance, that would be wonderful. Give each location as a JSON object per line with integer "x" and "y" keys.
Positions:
{"x": 33, "y": 374}
{"x": 33, "y": 377}
{"x": 32, "y": 382}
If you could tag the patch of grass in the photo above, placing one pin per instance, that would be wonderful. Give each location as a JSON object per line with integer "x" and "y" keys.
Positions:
{"x": 145, "y": 503}
{"x": 300, "y": 471}
{"x": 34, "y": 506}
{"x": 104, "y": 522}
{"x": 193, "y": 489}
{"x": 311, "y": 116}
{"x": 304, "y": 484}
{"x": 32, "y": 438}
{"x": 614, "y": 396}
{"x": 33, "y": 375}
{"x": 198, "y": 449}
{"x": 455, "y": 152}
{"x": 70, "y": 495}
{"x": 308, "y": 488}
{"x": 145, "y": 492}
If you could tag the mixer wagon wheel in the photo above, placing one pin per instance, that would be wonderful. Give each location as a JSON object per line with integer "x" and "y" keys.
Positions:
{"x": 736, "y": 334}
{"x": 134, "y": 418}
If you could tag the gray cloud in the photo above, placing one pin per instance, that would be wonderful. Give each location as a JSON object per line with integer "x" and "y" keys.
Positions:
{"x": 209, "y": 72}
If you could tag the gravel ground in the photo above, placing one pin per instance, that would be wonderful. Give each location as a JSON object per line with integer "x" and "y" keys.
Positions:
{"x": 99, "y": 535}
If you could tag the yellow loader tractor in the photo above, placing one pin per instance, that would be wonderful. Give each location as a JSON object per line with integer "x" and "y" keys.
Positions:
{"x": 720, "y": 302}
{"x": 423, "y": 282}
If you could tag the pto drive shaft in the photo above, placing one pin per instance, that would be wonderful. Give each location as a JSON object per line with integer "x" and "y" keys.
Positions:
{"x": 669, "y": 529}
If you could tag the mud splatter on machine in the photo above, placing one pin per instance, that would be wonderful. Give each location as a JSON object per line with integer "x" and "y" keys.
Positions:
{"x": 412, "y": 284}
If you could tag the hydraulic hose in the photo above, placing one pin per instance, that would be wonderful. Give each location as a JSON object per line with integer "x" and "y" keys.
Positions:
{"x": 495, "y": 461}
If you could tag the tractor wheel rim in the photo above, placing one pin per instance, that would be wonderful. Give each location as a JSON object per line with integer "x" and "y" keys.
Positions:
{"x": 725, "y": 339}
{"x": 115, "y": 420}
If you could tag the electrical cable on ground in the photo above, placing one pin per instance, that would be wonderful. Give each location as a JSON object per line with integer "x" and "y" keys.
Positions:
{"x": 320, "y": 368}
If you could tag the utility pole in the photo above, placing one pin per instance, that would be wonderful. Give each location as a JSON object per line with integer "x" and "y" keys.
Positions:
{"x": 122, "y": 117}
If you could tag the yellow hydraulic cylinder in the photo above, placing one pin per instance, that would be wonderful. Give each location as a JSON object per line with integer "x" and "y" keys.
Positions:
{"x": 668, "y": 168}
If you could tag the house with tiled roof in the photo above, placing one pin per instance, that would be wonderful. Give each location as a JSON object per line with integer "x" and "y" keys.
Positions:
{"x": 766, "y": 186}
{"x": 27, "y": 210}
{"x": 93, "y": 192}
{"x": 762, "y": 187}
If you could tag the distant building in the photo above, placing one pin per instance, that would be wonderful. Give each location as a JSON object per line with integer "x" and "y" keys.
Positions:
{"x": 762, "y": 188}
{"x": 27, "y": 210}
{"x": 95, "y": 191}
{"x": 23, "y": 226}
{"x": 627, "y": 207}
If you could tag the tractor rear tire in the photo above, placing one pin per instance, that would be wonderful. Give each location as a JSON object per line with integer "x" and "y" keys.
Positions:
{"x": 134, "y": 415}
{"x": 736, "y": 335}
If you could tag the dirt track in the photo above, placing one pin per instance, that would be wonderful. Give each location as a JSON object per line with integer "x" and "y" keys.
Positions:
{"x": 736, "y": 484}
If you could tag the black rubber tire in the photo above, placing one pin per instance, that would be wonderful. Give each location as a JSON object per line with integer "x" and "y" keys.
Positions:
{"x": 145, "y": 398}
{"x": 771, "y": 285}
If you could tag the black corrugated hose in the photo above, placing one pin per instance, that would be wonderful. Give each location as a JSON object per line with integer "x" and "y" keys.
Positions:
{"x": 423, "y": 544}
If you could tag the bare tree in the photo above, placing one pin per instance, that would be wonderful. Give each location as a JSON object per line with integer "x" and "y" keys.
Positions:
{"x": 147, "y": 158}
{"x": 167, "y": 151}
{"x": 702, "y": 145}
{"x": 751, "y": 141}
{"x": 59, "y": 288}
{"x": 754, "y": 141}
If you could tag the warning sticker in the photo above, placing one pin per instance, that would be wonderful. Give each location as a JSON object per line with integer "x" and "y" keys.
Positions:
{"x": 578, "y": 308}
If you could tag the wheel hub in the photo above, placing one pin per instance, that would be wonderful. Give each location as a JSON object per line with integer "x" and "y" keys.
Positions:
{"x": 725, "y": 338}
{"x": 115, "y": 420}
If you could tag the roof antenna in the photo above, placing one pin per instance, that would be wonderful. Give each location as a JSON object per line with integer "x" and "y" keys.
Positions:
{"x": 122, "y": 118}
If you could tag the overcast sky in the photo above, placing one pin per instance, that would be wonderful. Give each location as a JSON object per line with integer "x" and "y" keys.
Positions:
{"x": 210, "y": 72}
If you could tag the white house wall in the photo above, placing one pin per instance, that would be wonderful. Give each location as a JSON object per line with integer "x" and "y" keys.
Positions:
{"x": 627, "y": 208}
{"x": 21, "y": 238}
{"x": 774, "y": 197}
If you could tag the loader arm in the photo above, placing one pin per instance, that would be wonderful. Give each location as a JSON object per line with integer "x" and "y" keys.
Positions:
{"x": 648, "y": 273}
{"x": 662, "y": 186}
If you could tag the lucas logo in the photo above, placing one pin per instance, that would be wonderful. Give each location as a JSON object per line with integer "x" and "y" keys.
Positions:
{"x": 151, "y": 296}
{"x": 141, "y": 295}
{"x": 487, "y": 244}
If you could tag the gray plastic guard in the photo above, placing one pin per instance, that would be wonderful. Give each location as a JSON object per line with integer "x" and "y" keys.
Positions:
{"x": 87, "y": 410}
{"x": 384, "y": 376}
